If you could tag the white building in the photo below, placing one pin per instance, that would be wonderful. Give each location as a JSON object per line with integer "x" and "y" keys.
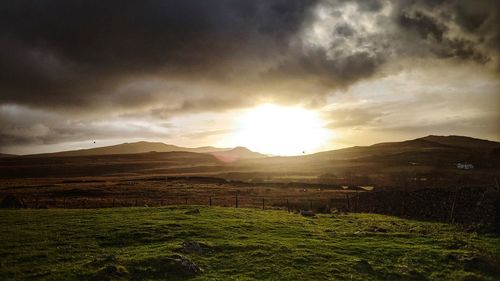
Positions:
{"x": 465, "y": 166}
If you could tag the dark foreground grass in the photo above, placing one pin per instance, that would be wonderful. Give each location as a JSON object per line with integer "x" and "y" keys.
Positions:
{"x": 236, "y": 244}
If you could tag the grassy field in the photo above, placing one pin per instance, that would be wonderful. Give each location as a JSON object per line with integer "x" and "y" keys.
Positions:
{"x": 236, "y": 244}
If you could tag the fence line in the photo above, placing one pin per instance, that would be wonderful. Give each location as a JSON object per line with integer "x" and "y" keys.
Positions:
{"x": 236, "y": 201}
{"x": 461, "y": 205}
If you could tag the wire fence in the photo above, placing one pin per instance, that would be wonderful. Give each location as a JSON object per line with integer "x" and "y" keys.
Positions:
{"x": 467, "y": 205}
{"x": 237, "y": 201}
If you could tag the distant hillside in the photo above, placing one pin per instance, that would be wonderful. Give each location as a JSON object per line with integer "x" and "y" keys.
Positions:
{"x": 429, "y": 144}
{"x": 107, "y": 164}
{"x": 422, "y": 154}
{"x": 461, "y": 141}
{"x": 132, "y": 148}
{"x": 236, "y": 154}
{"x": 434, "y": 158}
{"x": 6, "y": 155}
{"x": 224, "y": 154}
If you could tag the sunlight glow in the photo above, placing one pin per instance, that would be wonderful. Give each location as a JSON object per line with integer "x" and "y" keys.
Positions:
{"x": 280, "y": 130}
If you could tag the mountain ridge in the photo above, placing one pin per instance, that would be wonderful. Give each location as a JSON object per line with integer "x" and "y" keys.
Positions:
{"x": 146, "y": 147}
{"x": 379, "y": 162}
{"x": 438, "y": 144}
{"x": 423, "y": 143}
{"x": 130, "y": 148}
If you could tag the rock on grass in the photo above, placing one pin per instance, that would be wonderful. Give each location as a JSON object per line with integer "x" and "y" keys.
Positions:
{"x": 192, "y": 212}
{"x": 164, "y": 267}
{"x": 191, "y": 247}
{"x": 363, "y": 266}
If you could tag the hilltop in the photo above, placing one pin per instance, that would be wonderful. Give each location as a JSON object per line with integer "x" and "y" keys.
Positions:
{"x": 237, "y": 153}
{"x": 462, "y": 141}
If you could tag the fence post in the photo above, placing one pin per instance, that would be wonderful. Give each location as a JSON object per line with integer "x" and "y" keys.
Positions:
{"x": 310, "y": 205}
{"x": 357, "y": 200}
{"x": 452, "y": 219}
{"x": 186, "y": 201}
{"x": 348, "y": 202}
{"x": 210, "y": 201}
{"x": 263, "y": 204}
{"x": 236, "y": 200}
{"x": 287, "y": 206}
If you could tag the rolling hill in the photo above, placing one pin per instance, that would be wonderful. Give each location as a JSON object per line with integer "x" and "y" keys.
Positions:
{"x": 464, "y": 142}
{"x": 132, "y": 148}
{"x": 429, "y": 144}
{"x": 426, "y": 155}
{"x": 459, "y": 147}
{"x": 432, "y": 154}
{"x": 236, "y": 153}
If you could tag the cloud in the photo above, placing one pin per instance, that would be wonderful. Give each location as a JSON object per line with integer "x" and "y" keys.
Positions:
{"x": 74, "y": 53}
{"x": 24, "y": 126}
{"x": 351, "y": 117}
{"x": 449, "y": 126}
{"x": 459, "y": 100}
{"x": 79, "y": 53}
{"x": 204, "y": 134}
{"x": 84, "y": 62}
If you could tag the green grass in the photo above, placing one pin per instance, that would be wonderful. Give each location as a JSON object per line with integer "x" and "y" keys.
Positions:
{"x": 238, "y": 244}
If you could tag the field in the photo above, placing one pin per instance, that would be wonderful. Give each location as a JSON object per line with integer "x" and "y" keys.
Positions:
{"x": 159, "y": 215}
{"x": 99, "y": 192}
{"x": 179, "y": 243}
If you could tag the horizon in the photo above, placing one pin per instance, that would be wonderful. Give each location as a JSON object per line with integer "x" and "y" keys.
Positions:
{"x": 96, "y": 145}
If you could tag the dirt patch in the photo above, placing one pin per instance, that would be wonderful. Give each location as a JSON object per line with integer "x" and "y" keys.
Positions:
{"x": 76, "y": 192}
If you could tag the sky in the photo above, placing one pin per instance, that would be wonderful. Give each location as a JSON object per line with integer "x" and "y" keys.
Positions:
{"x": 281, "y": 77}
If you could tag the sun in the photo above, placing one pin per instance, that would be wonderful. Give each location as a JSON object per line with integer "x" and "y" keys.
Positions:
{"x": 278, "y": 130}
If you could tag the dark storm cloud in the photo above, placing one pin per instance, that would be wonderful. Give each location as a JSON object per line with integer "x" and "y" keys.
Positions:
{"x": 75, "y": 53}
{"x": 433, "y": 23}
{"x": 344, "y": 42}
{"x": 423, "y": 24}
{"x": 65, "y": 52}
{"x": 72, "y": 53}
